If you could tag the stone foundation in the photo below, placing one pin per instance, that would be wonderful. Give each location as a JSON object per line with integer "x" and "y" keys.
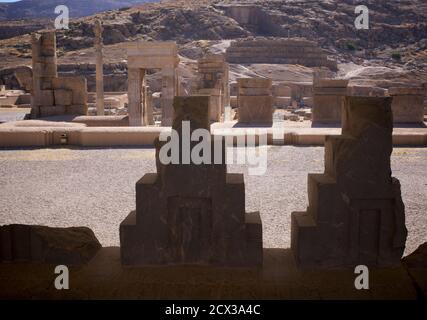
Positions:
{"x": 213, "y": 81}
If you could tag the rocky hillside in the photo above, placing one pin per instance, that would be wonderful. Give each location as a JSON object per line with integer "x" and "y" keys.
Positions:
{"x": 396, "y": 40}
{"x": 31, "y": 9}
{"x": 394, "y": 25}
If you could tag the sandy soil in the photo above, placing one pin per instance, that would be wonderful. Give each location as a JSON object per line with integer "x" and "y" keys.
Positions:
{"x": 95, "y": 188}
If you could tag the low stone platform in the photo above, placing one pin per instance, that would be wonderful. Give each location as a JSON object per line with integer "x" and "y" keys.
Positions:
{"x": 105, "y": 278}
{"x": 37, "y": 136}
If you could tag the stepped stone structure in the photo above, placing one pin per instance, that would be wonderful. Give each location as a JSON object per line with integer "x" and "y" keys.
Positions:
{"x": 255, "y": 100}
{"x": 191, "y": 213}
{"x": 408, "y": 104}
{"x": 328, "y": 100}
{"x": 355, "y": 213}
{"x": 279, "y": 51}
{"x": 99, "y": 69}
{"x": 214, "y": 81}
{"x": 145, "y": 55}
{"x": 53, "y": 95}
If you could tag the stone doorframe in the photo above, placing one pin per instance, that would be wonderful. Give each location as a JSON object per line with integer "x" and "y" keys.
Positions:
{"x": 145, "y": 55}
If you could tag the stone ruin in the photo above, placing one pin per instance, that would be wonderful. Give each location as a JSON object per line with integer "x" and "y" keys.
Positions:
{"x": 213, "y": 81}
{"x": 143, "y": 56}
{"x": 355, "y": 214}
{"x": 408, "y": 104}
{"x": 53, "y": 95}
{"x": 98, "y": 44}
{"x": 28, "y": 243}
{"x": 279, "y": 51}
{"x": 255, "y": 100}
{"x": 328, "y": 100}
{"x": 282, "y": 94}
{"x": 191, "y": 214}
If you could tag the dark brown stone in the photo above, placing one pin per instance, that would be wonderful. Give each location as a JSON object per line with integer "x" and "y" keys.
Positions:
{"x": 68, "y": 246}
{"x": 418, "y": 258}
{"x": 191, "y": 214}
{"x": 355, "y": 214}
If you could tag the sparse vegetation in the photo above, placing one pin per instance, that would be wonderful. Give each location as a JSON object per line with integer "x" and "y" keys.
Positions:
{"x": 396, "y": 56}
{"x": 351, "y": 46}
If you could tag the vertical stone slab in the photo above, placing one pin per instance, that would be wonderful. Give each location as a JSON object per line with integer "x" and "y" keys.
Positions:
{"x": 169, "y": 87}
{"x": 328, "y": 100}
{"x": 135, "y": 97}
{"x": 190, "y": 213}
{"x": 148, "y": 107}
{"x": 99, "y": 68}
{"x": 44, "y": 65}
{"x": 355, "y": 213}
{"x": 255, "y": 100}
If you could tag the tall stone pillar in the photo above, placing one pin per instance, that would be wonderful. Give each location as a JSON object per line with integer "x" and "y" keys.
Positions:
{"x": 169, "y": 88}
{"x": 148, "y": 106}
{"x": 135, "y": 96}
{"x": 226, "y": 86}
{"x": 99, "y": 69}
{"x": 44, "y": 63}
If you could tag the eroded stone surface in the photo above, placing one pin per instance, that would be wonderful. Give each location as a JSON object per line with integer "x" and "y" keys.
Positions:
{"x": 191, "y": 213}
{"x": 53, "y": 95}
{"x": 68, "y": 246}
{"x": 255, "y": 100}
{"x": 328, "y": 100}
{"x": 213, "y": 80}
{"x": 355, "y": 213}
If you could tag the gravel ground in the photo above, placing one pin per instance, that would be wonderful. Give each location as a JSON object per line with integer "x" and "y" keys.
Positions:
{"x": 95, "y": 188}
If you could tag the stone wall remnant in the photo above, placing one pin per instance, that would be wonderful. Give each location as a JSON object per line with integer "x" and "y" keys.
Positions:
{"x": 53, "y": 95}
{"x": 328, "y": 100}
{"x": 145, "y": 55}
{"x": 99, "y": 68}
{"x": 279, "y": 51}
{"x": 408, "y": 104}
{"x": 191, "y": 213}
{"x": 255, "y": 100}
{"x": 213, "y": 80}
{"x": 355, "y": 214}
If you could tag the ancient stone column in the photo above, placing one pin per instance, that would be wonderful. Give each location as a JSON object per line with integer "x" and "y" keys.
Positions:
{"x": 213, "y": 81}
{"x": 99, "y": 69}
{"x": 148, "y": 106}
{"x": 169, "y": 88}
{"x": 135, "y": 96}
{"x": 44, "y": 64}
